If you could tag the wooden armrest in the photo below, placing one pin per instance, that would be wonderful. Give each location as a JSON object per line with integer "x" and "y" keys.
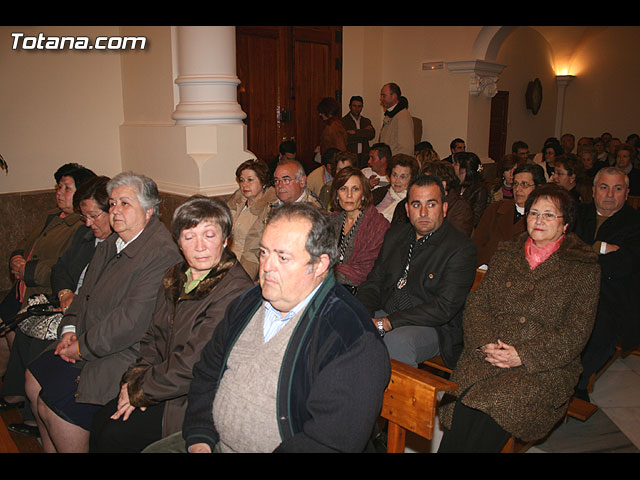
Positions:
{"x": 410, "y": 403}
{"x": 438, "y": 363}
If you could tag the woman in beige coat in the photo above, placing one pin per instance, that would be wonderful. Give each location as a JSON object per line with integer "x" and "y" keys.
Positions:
{"x": 249, "y": 207}
{"x": 524, "y": 329}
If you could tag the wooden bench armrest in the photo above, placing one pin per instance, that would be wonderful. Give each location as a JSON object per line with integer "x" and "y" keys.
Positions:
{"x": 410, "y": 402}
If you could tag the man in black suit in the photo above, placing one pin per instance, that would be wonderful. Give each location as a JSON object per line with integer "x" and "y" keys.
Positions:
{"x": 359, "y": 131}
{"x": 613, "y": 229}
{"x": 417, "y": 288}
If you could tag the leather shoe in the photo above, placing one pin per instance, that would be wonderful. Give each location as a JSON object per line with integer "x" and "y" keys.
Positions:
{"x": 24, "y": 429}
{"x": 4, "y": 405}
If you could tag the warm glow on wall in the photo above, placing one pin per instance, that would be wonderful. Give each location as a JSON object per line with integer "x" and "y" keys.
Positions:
{"x": 570, "y": 68}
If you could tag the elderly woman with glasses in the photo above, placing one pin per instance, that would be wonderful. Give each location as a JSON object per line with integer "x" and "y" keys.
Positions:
{"x": 91, "y": 201}
{"x": 524, "y": 329}
{"x": 191, "y": 302}
{"x": 99, "y": 336}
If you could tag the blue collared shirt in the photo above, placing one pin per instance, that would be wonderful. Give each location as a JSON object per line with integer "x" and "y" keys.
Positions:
{"x": 273, "y": 319}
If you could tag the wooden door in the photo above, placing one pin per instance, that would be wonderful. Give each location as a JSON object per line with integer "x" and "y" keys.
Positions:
{"x": 284, "y": 73}
{"x": 498, "y": 125}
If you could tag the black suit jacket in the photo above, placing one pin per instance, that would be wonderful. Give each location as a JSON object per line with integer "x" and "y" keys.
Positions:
{"x": 620, "y": 282}
{"x": 441, "y": 274}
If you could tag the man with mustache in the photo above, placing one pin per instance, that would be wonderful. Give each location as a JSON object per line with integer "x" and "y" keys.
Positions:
{"x": 416, "y": 291}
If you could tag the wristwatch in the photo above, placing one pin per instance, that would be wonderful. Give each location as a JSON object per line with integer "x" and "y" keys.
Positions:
{"x": 381, "y": 328}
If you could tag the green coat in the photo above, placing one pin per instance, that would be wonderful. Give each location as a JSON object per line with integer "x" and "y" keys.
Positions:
{"x": 547, "y": 314}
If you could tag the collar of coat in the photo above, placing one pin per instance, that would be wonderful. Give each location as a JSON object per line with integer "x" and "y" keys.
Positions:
{"x": 571, "y": 249}
{"x": 401, "y": 105}
{"x": 176, "y": 277}
{"x": 256, "y": 208}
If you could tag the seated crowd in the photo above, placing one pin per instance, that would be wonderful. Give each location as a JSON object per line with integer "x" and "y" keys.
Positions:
{"x": 265, "y": 323}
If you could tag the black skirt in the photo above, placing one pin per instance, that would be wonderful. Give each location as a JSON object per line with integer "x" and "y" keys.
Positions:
{"x": 59, "y": 381}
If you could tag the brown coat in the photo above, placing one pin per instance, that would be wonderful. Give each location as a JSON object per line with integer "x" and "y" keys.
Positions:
{"x": 114, "y": 306}
{"x": 547, "y": 315}
{"x": 496, "y": 225}
{"x": 46, "y": 247}
{"x": 333, "y": 135}
{"x": 181, "y": 325}
{"x": 249, "y": 256}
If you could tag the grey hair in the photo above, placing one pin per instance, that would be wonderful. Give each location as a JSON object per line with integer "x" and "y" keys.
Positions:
{"x": 299, "y": 168}
{"x": 146, "y": 189}
{"x": 611, "y": 171}
{"x": 321, "y": 239}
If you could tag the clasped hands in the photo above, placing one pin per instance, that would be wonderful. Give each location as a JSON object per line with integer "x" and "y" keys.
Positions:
{"x": 68, "y": 348}
{"x": 500, "y": 354}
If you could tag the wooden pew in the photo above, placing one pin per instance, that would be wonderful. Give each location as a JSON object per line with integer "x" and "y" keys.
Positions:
{"x": 634, "y": 201}
{"x": 410, "y": 402}
{"x": 7, "y": 445}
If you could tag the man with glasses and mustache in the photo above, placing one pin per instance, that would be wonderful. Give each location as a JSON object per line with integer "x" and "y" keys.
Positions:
{"x": 290, "y": 182}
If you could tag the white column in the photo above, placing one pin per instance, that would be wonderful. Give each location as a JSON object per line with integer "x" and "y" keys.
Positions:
{"x": 207, "y": 77}
{"x": 561, "y": 81}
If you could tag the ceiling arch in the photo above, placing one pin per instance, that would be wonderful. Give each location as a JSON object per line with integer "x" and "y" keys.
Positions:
{"x": 564, "y": 41}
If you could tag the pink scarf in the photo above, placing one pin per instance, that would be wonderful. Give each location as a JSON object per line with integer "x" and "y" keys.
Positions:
{"x": 537, "y": 255}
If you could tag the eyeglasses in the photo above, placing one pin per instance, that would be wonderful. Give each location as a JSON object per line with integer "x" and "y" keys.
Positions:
{"x": 523, "y": 184}
{"x": 93, "y": 218}
{"x": 285, "y": 180}
{"x": 546, "y": 216}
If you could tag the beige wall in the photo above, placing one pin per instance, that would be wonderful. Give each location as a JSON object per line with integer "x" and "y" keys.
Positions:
{"x": 605, "y": 96}
{"x": 528, "y": 56}
{"x": 373, "y": 56}
{"x": 147, "y": 78}
{"x": 58, "y": 107}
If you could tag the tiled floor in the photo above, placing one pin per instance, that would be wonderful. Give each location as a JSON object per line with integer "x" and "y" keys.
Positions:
{"x": 614, "y": 428}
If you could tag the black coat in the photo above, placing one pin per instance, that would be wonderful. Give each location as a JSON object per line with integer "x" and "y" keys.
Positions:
{"x": 442, "y": 272}
{"x": 620, "y": 283}
{"x": 67, "y": 270}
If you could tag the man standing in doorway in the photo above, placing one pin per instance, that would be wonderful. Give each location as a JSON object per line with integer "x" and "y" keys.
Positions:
{"x": 397, "y": 125}
{"x": 359, "y": 131}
